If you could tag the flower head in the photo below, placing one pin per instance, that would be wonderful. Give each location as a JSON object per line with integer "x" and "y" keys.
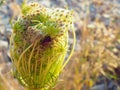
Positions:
{"x": 39, "y": 44}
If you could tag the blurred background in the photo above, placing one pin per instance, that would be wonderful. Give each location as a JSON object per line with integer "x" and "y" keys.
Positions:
{"x": 95, "y": 64}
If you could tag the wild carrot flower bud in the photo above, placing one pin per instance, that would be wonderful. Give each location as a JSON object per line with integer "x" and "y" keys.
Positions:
{"x": 39, "y": 44}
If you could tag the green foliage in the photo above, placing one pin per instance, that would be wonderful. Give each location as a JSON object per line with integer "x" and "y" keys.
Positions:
{"x": 18, "y": 26}
{"x": 51, "y": 26}
{"x": 2, "y": 2}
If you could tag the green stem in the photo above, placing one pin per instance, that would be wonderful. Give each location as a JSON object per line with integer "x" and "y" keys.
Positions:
{"x": 73, "y": 47}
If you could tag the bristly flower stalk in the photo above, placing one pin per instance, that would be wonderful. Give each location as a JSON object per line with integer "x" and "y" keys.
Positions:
{"x": 39, "y": 44}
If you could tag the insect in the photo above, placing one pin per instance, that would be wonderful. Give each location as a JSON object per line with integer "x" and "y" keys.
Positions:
{"x": 46, "y": 41}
